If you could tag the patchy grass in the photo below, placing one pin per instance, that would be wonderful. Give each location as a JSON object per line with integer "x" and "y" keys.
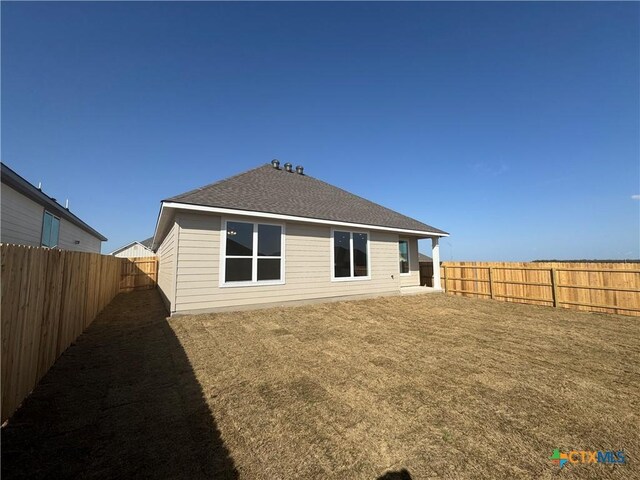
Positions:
{"x": 442, "y": 386}
{"x": 415, "y": 387}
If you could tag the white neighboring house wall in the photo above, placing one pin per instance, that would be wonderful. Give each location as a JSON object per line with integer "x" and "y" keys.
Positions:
{"x": 134, "y": 250}
{"x": 21, "y": 224}
{"x": 21, "y": 218}
{"x": 74, "y": 238}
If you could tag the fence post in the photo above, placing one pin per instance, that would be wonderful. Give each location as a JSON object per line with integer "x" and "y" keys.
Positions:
{"x": 491, "y": 282}
{"x": 444, "y": 271}
{"x": 554, "y": 286}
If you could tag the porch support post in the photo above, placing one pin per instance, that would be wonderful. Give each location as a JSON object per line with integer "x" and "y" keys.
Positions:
{"x": 435, "y": 255}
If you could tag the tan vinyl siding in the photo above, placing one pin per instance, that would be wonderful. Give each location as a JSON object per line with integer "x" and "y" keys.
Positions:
{"x": 308, "y": 263}
{"x": 70, "y": 234}
{"x": 413, "y": 278}
{"x": 21, "y": 218}
{"x": 135, "y": 250}
{"x": 167, "y": 259}
{"x": 22, "y": 225}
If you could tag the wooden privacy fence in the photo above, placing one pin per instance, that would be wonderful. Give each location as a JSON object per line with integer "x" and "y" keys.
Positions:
{"x": 596, "y": 287}
{"x": 49, "y": 297}
{"x": 140, "y": 273}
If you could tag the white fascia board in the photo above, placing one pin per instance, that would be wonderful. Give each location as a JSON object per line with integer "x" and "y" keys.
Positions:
{"x": 155, "y": 232}
{"x": 290, "y": 218}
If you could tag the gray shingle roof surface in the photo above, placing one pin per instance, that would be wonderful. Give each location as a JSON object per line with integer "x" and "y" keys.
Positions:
{"x": 270, "y": 190}
{"x": 147, "y": 243}
{"x": 424, "y": 258}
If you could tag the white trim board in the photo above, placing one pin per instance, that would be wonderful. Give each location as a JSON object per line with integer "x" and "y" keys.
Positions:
{"x": 291, "y": 218}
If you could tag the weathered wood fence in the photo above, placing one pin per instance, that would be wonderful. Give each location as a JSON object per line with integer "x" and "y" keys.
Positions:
{"x": 49, "y": 297}
{"x": 596, "y": 287}
{"x": 140, "y": 273}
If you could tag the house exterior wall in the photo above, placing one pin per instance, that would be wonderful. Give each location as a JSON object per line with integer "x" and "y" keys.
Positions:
{"x": 22, "y": 225}
{"x": 167, "y": 261}
{"x": 308, "y": 262}
{"x": 70, "y": 234}
{"x": 21, "y": 218}
{"x": 411, "y": 279}
{"x": 136, "y": 250}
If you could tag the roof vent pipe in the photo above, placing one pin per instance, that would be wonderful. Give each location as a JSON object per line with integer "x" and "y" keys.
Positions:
{"x": 300, "y": 170}
{"x": 288, "y": 167}
{"x": 275, "y": 164}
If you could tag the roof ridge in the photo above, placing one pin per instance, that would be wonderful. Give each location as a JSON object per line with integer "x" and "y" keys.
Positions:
{"x": 175, "y": 197}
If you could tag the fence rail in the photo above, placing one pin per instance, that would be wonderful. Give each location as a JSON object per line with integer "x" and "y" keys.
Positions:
{"x": 597, "y": 287}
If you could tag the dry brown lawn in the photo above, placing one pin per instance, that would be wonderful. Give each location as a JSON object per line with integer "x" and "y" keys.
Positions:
{"x": 429, "y": 386}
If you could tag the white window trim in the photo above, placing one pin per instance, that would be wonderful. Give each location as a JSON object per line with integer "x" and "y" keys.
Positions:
{"x": 352, "y": 278}
{"x": 44, "y": 214}
{"x": 408, "y": 274}
{"x": 254, "y": 258}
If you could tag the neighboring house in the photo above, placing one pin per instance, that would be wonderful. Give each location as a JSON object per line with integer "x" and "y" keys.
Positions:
{"x": 272, "y": 235}
{"x": 422, "y": 258}
{"x": 135, "y": 249}
{"x": 30, "y": 217}
{"x": 426, "y": 269}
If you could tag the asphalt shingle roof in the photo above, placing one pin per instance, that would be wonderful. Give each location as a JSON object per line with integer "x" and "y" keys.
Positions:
{"x": 424, "y": 258}
{"x": 270, "y": 190}
{"x": 147, "y": 243}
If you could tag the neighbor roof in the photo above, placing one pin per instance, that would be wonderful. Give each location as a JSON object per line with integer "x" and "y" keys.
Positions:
{"x": 19, "y": 184}
{"x": 270, "y": 190}
{"x": 424, "y": 258}
{"x": 145, "y": 243}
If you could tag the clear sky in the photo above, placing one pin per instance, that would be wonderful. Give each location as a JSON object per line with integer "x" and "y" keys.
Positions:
{"x": 514, "y": 126}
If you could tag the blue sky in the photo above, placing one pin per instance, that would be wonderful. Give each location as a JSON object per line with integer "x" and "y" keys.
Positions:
{"x": 514, "y": 126}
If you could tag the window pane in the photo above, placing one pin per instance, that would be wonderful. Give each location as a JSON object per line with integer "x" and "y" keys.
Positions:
{"x": 238, "y": 270}
{"x": 268, "y": 269}
{"x": 403, "y": 246}
{"x": 46, "y": 229}
{"x": 341, "y": 254}
{"x": 360, "y": 255}
{"x": 239, "y": 238}
{"x": 269, "y": 241}
{"x": 55, "y": 232}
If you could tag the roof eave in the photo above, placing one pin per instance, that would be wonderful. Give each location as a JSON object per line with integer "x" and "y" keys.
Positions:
{"x": 22, "y": 186}
{"x": 252, "y": 213}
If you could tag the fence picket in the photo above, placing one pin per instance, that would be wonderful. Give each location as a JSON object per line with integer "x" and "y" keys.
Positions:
{"x": 590, "y": 286}
{"x": 49, "y": 297}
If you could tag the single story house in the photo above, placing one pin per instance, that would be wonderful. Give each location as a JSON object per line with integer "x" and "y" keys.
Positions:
{"x": 135, "y": 249}
{"x": 274, "y": 235}
{"x": 31, "y": 217}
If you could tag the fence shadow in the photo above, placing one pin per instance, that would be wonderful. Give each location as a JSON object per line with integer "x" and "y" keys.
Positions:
{"x": 123, "y": 401}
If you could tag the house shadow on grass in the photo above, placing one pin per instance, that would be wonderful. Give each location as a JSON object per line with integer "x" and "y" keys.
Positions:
{"x": 121, "y": 402}
{"x": 396, "y": 475}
